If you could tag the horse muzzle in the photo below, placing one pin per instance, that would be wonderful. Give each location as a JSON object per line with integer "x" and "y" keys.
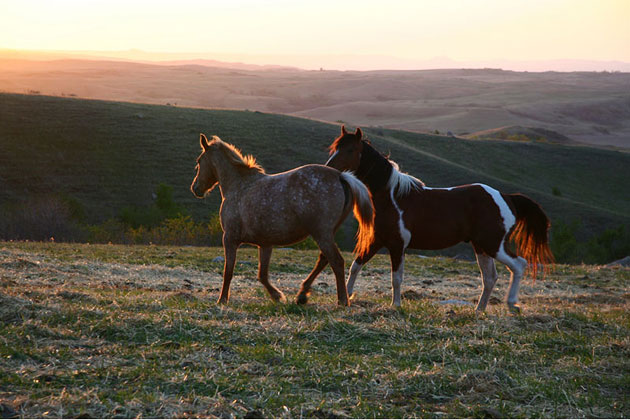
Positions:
{"x": 197, "y": 192}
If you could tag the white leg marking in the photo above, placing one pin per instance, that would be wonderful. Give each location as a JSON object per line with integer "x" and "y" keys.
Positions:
{"x": 352, "y": 276}
{"x": 397, "y": 279}
{"x": 517, "y": 268}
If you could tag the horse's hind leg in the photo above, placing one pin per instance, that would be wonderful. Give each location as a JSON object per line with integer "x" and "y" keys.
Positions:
{"x": 488, "y": 278}
{"x": 305, "y": 290}
{"x": 264, "y": 255}
{"x": 331, "y": 253}
{"x": 517, "y": 266}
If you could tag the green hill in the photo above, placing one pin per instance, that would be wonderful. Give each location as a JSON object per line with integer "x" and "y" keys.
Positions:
{"x": 108, "y": 155}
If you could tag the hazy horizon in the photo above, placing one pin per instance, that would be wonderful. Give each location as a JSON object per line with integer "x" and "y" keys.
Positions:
{"x": 340, "y": 62}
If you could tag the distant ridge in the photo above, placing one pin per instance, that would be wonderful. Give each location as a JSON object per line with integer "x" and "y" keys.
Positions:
{"x": 343, "y": 62}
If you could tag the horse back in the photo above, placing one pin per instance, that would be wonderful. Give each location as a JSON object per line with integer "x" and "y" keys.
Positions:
{"x": 288, "y": 206}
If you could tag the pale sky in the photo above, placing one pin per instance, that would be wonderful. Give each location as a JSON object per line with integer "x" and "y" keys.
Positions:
{"x": 402, "y": 29}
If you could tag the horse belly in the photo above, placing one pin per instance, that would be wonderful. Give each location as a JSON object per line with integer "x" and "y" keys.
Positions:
{"x": 433, "y": 242}
{"x": 272, "y": 225}
{"x": 438, "y": 229}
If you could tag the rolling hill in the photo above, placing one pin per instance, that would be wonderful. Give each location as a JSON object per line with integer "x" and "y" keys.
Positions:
{"x": 108, "y": 155}
{"x": 587, "y": 107}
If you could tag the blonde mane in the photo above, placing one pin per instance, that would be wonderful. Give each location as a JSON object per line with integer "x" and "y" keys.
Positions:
{"x": 235, "y": 156}
{"x": 401, "y": 181}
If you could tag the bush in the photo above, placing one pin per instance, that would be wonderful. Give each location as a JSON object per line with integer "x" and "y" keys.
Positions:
{"x": 164, "y": 222}
{"x": 180, "y": 230}
{"x": 153, "y": 215}
{"x": 610, "y": 245}
{"x": 563, "y": 243}
{"x": 43, "y": 218}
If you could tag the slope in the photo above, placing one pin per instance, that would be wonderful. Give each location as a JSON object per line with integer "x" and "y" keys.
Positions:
{"x": 108, "y": 155}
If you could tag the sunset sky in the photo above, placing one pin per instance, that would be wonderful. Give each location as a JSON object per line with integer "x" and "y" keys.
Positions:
{"x": 397, "y": 33}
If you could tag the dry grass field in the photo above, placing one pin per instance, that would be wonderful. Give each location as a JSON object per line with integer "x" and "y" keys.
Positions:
{"x": 134, "y": 331}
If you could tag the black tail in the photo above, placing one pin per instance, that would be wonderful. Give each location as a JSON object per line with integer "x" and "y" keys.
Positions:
{"x": 531, "y": 233}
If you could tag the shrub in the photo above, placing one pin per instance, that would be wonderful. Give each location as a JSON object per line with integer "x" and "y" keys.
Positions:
{"x": 153, "y": 215}
{"x": 42, "y": 218}
{"x": 563, "y": 242}
{"x": 180, "y": 230}
{"x": 609, "y": 245}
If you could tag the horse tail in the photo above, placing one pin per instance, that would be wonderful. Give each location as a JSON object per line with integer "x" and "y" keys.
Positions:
{"x": 531, "y": 233}
{"x": 363, "y": 211}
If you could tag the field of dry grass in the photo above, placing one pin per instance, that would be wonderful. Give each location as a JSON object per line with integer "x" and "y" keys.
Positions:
{"x": 593, "y": 108}
{"x": 134, "y": 331}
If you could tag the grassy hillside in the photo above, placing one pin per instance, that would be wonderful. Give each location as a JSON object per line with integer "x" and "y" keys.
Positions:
{"x": 102, "y": 331}
{"x": 108, "y": 155}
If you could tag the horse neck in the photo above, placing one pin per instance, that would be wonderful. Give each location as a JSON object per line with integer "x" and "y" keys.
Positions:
{"x": 374, "y": 169}
{"x": 231, "y": 178}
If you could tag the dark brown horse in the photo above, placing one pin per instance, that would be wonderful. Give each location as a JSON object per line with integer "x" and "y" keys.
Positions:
{"x": 411, "y": 215}
{"x": 281, "y": 209}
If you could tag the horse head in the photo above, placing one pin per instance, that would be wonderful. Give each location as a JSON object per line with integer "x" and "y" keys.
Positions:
{"x": 206, "y": 178}
{"x": 345, "y": 152}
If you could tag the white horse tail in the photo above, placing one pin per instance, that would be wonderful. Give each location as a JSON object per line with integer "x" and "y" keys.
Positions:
{"x": 363, "y": 211}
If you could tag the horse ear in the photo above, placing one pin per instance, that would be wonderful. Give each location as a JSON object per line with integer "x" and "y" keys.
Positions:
{"x": 203, "y": 141}
{"x": 358, "y": 133}
{"x": 343, "y": 130}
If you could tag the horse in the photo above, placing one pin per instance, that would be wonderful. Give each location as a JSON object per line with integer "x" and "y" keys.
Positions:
{"x": 411, "y": 215}
{"x": 281, "y": 209}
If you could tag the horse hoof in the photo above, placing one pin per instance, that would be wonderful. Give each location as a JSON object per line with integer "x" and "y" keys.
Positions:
{"x": 342, "y": 303}
{"x": 301, "y": 299}
{"x": 222, "y": 301}
{"x": 480, "y": 313}
{"x": 515, "y": 309}
{"x": 279, "y": 298}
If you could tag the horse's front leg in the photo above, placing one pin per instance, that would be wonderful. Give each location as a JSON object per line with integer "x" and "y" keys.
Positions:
{"x": 397, "y": 257}
{"x": 229, "y": 249}
{"x": 488, "y": 279}
{"x": 358, "y": 263}
{"x": 264, "y": 255}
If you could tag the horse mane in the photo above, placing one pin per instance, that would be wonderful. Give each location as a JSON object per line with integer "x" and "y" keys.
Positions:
{"x": 401, "y": 182}
{"x": 235, "y": 156}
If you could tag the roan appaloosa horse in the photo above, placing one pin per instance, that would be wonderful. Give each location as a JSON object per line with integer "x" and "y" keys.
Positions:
{"x": 281, "y": 209}
{"x": 412, "y": 215}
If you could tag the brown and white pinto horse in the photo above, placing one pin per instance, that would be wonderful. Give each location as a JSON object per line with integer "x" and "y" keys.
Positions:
{"x": 411, "y": 215}
{"x": 281, "y": 209}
